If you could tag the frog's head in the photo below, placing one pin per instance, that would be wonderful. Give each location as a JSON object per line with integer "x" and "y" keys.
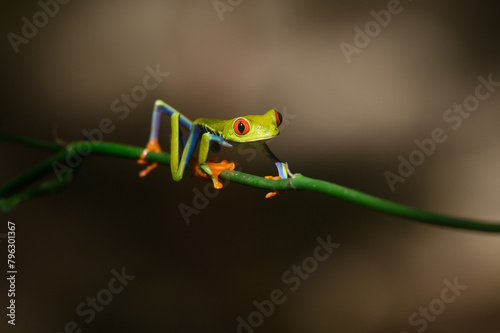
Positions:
{"x": 254, "y": 128}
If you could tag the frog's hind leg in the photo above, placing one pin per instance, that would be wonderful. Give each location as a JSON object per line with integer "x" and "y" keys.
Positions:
{"x": 161, "y": 108}
{"x": 180, "y": 149}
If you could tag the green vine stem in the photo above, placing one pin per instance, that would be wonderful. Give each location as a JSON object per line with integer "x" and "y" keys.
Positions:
{"x": 11, "y": 193}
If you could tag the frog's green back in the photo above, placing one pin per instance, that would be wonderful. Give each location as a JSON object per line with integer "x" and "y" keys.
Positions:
{"x": 214, "y": 126}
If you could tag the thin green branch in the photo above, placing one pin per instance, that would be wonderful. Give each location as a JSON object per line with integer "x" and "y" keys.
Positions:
{"x": 32, "y": 175}
{"x": 29, "y": 141}
{"x": 81, "y": 149}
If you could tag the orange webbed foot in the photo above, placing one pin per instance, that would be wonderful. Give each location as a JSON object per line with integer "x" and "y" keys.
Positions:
{"x": 152, "y": 145}
{"x": 216, "y": 168}
{"x": 272, "y": 194}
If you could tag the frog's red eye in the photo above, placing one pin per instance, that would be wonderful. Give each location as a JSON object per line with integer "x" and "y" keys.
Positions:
{"x": 279, "y": 117}
{"x": 241, "y": 126}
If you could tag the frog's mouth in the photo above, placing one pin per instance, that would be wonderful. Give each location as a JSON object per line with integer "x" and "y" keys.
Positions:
{"x": 259, "y": 139}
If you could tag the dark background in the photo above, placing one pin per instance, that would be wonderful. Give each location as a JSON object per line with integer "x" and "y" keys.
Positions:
{"x": 351, "y": 123}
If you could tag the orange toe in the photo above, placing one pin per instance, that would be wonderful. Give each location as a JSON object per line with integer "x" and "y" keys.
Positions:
{"x": 150, "y": 167}
{"x": 272, "y": 194}
{"x": 154, "y": 146}
{"x": 215, "y": 167}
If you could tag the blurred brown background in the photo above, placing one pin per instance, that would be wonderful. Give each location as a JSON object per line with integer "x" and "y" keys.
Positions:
{"x": 348, "y": 123}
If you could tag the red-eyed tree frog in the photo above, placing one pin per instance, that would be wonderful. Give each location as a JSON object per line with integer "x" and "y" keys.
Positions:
{"x": 248, "y": 131}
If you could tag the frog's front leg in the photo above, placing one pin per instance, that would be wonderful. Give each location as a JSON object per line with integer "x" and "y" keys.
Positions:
{"x": 211, "y": 169}
{"x": 283, "y": 170}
